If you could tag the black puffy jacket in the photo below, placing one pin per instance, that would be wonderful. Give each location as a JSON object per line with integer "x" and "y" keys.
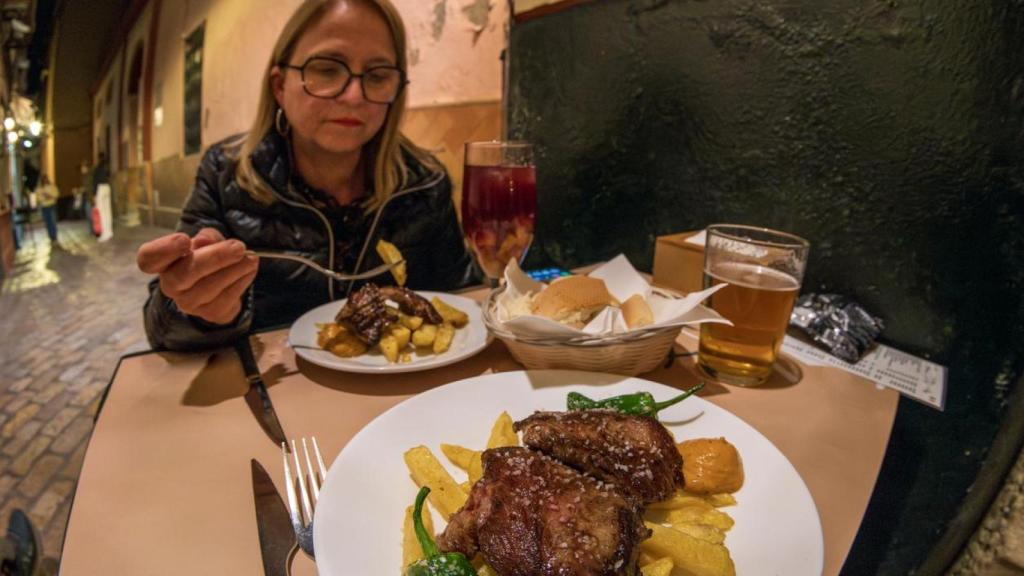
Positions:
{"x": 419, "y": 219}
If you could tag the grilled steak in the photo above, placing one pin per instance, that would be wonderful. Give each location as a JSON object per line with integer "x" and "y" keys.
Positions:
{"x": 412, "y": 303}
{"x": 366, "y": 313}
{"x": 635, "y": 453}
{"x": 532, "y": 516}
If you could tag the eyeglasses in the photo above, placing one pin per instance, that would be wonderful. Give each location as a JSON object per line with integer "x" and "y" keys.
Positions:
{"x": 324, "y": 77}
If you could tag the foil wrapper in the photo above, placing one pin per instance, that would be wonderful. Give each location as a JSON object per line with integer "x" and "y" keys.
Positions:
{"x": 838, "y": 324}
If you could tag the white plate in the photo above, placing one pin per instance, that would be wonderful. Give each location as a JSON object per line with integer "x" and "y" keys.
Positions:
{"x": 468, "y": 340}
{"x": 358, "y": 527}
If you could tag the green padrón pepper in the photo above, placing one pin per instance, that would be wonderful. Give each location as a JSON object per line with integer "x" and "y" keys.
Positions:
{"x": 434, "y": 563}
{"x": 639, "y": 404}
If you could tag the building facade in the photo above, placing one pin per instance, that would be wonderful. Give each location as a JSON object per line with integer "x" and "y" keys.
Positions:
{"x": 183, "y": 75}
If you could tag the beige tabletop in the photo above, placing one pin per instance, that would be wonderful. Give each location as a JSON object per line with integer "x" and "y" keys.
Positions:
{"x": 166, "y": 485}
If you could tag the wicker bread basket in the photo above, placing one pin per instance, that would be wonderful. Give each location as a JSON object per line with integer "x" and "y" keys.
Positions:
{"x": 628, "y": 354}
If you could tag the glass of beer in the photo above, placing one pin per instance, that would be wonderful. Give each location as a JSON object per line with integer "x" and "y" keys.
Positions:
{"x": 763, "y": 269}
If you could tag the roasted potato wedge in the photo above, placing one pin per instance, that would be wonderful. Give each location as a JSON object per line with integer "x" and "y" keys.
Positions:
{"x": 389, "y": 347}
{"x": 451, "y": 314}
{"x": 410, "y": 322}
{"x": 340, "y": 341}
{"x": 401, "y": 334}
{"x": 390, "y": 254}
{"x": 443, "y": 341}
{"x": 424, "y": 337}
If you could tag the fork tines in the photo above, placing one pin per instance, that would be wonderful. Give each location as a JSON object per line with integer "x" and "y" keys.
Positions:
{"x": 302, "y": 521}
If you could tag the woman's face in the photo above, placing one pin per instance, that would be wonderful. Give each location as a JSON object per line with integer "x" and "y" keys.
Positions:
{"x": 358, "y": 35}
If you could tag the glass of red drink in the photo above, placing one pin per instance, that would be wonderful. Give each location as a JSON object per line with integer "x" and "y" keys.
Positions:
{"x": 499, "y": 203}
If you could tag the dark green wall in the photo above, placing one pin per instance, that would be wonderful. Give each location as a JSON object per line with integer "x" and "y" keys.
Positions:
{"x": 887, "y": 133}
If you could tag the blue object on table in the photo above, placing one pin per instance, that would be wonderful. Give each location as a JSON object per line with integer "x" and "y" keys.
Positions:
{"x": 548, "y": 274}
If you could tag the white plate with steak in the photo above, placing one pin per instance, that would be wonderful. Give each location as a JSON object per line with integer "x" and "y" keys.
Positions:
{"x": 358, "y": 523}
{"x": 467, "y": 341}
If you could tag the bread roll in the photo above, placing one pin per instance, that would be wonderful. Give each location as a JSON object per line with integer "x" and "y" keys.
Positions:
{"x": 573, "y": 300}
{"x": 636, "y": 312}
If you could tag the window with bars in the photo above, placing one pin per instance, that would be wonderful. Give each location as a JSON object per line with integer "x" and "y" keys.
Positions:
{"x": 194, "y": 90}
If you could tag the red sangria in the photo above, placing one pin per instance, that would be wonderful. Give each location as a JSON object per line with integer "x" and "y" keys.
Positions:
{"x": 499, "y": 203}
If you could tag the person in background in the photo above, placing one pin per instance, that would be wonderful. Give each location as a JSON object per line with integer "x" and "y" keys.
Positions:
{"x": 101, "y": 172}
{"x": 47, "y": 195}
{"x": 15, "y": 227}
{"x": 324, "y": 172}
{"x": 100, "y": 175}
{"x": 88, "y": 192}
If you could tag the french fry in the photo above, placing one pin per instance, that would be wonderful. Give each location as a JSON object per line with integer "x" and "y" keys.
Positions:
{"x": 678, "y": 500}
{"x": 691, "y": 555}
{"x": 702, "y": 531}
{"x": 443, "y": 341}
{"x": 459, "y": 455}
{"x": 476, "y": 468}
{"x": 411, "y": 549}
{"x": 401, "y": 334}
{"x": 389, "y": 254}
{"x": 486, "y": 570}
{"x": 705, "y": 514}
{"x": 721, "y": 500}
{"x": 646, "y": 559}
{"x": 502, "y": 433}
{"x": 410, "y": 322}
{"x": 451, "y": 314}
{"x": 661, "y": 567}
{"x": 445, "y": 494}
{"x": 424, "y": 336}
{"x": 389, "y": 347}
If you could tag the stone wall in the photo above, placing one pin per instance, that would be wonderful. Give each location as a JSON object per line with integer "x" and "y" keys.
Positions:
{"x": 887, "y": 133}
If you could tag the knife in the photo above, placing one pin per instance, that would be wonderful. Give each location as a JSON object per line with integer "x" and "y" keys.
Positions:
{"x": 257, "y": 397}
{"x": 277, "y": 539}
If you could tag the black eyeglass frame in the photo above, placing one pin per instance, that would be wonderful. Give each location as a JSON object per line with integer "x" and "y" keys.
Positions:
{"x": 403, "y": 81}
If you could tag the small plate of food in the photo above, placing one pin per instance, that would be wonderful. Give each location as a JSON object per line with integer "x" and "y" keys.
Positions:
{"x": 390, "y": 329}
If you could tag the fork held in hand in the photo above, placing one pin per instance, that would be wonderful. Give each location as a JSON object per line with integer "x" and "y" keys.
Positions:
{"x": 331, "y": 273}
{"x": 302, "y": 520}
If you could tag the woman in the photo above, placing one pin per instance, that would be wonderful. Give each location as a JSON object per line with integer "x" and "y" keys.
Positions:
{"x": 324, "y": 172}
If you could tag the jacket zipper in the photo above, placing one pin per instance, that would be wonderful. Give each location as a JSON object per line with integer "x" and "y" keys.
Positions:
{"x": 438, "y": 177}
{"x": 330, "y": 236}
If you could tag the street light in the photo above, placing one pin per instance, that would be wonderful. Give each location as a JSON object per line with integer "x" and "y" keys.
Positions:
{"x": 35, "y": 127}
{"x": 12, "y": 137}
{"x": 27, "y": 143}
{"x": 9, "y": 123}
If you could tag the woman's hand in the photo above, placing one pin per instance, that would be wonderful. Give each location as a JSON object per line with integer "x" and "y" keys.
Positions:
{"x": 205, "y": 275}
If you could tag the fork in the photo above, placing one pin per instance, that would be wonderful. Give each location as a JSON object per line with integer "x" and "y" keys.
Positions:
{"x": 302, "y": 520}
{"x": 330, "y": 273}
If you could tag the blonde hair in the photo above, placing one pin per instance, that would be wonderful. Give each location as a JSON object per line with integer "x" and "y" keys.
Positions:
{"x": 390, "y": 171}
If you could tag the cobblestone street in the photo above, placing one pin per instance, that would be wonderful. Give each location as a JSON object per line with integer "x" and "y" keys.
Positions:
{"x": 66, "y": 315}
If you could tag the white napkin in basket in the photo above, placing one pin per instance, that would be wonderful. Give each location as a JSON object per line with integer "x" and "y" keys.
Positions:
{"x": 622, "y": 281}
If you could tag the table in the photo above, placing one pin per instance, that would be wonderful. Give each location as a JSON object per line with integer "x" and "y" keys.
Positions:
{"x": 166, "y": 486}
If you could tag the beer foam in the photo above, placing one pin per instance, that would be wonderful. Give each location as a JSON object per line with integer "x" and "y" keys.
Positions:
{"x": 754, "y": 276}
